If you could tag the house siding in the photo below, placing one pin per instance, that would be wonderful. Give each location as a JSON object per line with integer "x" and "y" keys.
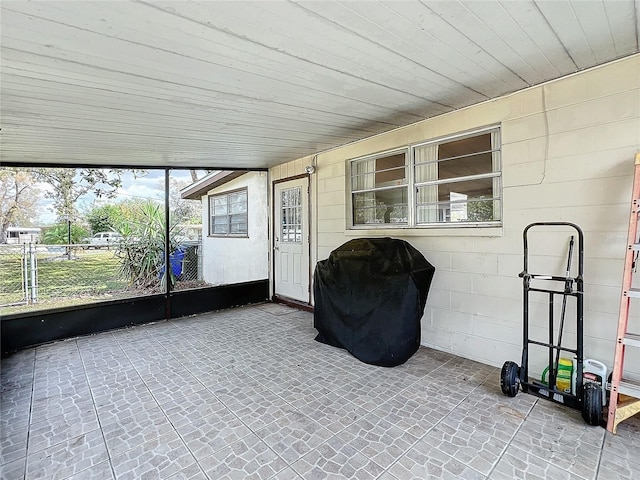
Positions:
{"x": 229, "y": 260}
{"x": 567, "y": 155}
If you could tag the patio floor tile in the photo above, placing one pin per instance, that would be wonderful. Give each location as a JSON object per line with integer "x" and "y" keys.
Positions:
{"x": 247, "y": 393}
{"x": 68, "y": 458}
{"x": 249, "y": 458}
{"x": 161, "y": 457}
{"x": 337, "y": 460}
{"x": 213, "y": 433}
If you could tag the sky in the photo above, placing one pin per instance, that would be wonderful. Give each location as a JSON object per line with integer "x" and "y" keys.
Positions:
{"x": 150, "y": 186}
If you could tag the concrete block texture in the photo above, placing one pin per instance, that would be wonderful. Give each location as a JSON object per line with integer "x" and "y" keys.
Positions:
{"x": 567, "y": 155}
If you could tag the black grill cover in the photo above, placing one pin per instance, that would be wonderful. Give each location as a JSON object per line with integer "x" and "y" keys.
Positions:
{"x": 369, "y": 298}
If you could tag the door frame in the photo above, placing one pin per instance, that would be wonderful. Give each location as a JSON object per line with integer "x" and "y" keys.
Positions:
{"x": 274, "y": 297}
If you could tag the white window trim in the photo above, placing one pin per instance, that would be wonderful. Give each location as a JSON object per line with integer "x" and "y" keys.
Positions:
{"x": 493, "y": 228}
{"x": 210, "y": 214}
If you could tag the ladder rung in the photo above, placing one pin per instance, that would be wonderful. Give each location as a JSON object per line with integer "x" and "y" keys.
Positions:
{"x": 632, "y": 340}
{"x": 633, "y": 293}
{"x": 629, "y": 387}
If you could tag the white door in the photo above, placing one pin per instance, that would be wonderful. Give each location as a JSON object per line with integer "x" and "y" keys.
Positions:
{"x": 291, "y": 240}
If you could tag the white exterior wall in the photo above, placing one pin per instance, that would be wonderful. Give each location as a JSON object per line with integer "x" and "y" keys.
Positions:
{"x": 567, "y": 155}
{"x": 231, "y": 259}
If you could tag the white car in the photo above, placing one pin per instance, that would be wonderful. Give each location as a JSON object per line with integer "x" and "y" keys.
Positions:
{"x": 103, "y": 240}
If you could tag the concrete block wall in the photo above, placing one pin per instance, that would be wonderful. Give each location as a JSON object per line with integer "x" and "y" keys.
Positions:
{"x": 239, "y": 259}
{"x": 567, "y": 155}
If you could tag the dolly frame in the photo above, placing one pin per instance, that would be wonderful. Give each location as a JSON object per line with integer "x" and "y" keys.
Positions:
{"x": 534, "y": 387}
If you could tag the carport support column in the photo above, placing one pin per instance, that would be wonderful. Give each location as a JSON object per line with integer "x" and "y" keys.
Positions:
{"x": 167, "y": 243}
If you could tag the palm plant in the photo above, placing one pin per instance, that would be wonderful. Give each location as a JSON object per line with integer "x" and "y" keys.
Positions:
{"x": 142, "y": 249}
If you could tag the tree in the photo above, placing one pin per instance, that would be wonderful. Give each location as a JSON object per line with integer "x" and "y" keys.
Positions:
{"x": 183, "y": 210}
{"x": 69, "y": 184}
{"x": 18, "y": 199}
{"x": 106, "y": 218}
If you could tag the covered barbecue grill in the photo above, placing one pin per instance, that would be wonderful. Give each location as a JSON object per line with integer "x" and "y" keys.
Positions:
{"x": 369, "y": 298}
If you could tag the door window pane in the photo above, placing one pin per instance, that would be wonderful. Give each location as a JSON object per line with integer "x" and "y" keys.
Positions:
{"x": 291, "y": 215}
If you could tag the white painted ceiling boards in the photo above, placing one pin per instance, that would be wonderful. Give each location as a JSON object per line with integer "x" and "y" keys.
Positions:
{"x": 254, "y": 84}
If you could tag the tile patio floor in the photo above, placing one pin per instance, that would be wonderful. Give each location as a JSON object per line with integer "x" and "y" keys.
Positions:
{"x": 247, "y": 393}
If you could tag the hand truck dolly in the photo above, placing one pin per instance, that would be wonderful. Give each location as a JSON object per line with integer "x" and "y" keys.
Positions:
{"x": 584, "y": 396}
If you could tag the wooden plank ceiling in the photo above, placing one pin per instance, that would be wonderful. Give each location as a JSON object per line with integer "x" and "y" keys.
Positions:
{"x": 254, "y": 84}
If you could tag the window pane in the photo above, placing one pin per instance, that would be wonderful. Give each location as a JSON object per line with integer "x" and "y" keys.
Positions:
{"x": 461, "y": 158}
{"x": 426, "y": 163}
{"x": 239, "y": 218}
{"x": 484, "y": 210}
{"x": 480, "y": 188}
{"x": 236, "y": 197}
{"x": 466, "y": 146}
{"x": 238, "y": 228}
{"x": 290, "y": 215}
{"x": 427, "y": 207}
{"x": 391, "y": 170}
{"x": 221, "y": 229}
{"x": 455, "y": 207}
{"x": 362, "y": 174}
{"x": 237, "y": 207}
{"x": 379, "y": 172}
{"x": 461, "y": 167}
{"x": 386, "y": 206}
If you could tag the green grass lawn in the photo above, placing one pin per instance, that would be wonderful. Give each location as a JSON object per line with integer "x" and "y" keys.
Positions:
{"x": 11, "y": 279}
{"x": 89, "y": 276}
{"x": 89, "y": 273}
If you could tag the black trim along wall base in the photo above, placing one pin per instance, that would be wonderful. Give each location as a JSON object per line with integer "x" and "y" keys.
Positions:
{"x": 18, "y": 331}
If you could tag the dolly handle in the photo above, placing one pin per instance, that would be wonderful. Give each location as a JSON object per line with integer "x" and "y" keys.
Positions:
{"x": 578, "y": 230}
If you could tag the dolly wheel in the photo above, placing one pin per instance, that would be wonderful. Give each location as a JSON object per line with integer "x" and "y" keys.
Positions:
{"x": 509, "y": 379}
{"x": 592, "y": 403}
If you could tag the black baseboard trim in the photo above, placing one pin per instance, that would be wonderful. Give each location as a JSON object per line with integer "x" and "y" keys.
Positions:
{"x": 19, "y": 331}
{"x": 199, "y": 300}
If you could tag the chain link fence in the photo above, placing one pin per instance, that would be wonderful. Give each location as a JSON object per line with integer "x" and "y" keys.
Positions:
{"x": 188, "y": 270}
{"x": 38, "y": 276}
{"x": 13, "y": 281}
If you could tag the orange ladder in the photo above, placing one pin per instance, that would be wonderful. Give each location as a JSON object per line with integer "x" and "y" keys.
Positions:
{"x": 625, "y": 393}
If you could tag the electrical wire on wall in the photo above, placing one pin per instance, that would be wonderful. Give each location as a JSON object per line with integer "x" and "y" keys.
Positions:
{"x": 545, "y": 159}
{"x": 545, "y": 114}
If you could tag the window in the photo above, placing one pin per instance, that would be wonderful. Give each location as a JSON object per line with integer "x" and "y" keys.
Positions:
{"x": 291, "y": 215}
{"x": 379, "y": 189}
{"x": 228, "y": 213}
{"x": 450, "y": 181}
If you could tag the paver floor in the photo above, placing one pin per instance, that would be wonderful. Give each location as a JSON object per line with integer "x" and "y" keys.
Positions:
{"x": 248, "y": 394}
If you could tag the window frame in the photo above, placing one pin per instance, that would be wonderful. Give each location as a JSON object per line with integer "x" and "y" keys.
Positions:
{"x": 211, "y": 215}
{"x": 412, "y": 185}
{"x": 387, "y": 153}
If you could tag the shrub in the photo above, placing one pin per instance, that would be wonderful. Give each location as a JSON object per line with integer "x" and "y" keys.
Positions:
{"x": 141, "y": 251}
{"x": 59, "y": 234}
